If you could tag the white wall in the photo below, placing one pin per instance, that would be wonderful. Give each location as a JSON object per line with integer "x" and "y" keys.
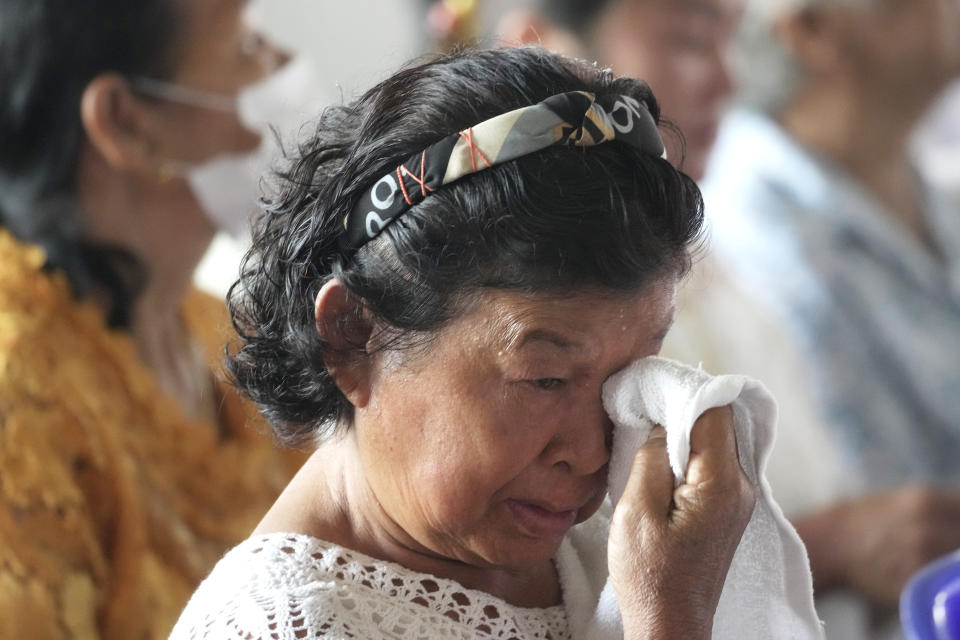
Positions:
{"x": 354, "y": 43}
{"x": 351, "y": 45}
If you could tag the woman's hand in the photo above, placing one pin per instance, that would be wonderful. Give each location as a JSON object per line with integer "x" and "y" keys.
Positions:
{"x": 875, "y": 544}
{"x": 670, "y": 549}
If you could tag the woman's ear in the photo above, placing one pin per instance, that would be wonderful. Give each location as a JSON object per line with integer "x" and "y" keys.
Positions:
{"x": 116, "y": 124}
{"x": 345, "y": 329}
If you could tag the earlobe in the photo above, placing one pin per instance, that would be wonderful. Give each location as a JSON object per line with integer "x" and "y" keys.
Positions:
{"x": 345, "y": 330}
{"x": 114, "y": 124}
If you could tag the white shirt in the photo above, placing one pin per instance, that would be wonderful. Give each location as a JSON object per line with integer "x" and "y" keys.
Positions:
{"x": 292, "y": 586}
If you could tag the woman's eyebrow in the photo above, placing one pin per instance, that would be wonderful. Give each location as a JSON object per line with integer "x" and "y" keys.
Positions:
{"x": 518, "y": 330}
{"x": 545, "y": 335}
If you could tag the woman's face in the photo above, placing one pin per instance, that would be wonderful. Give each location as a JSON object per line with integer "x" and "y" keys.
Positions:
{"x": 220, "y": 54}
{"x": 902, "y": 49}
{"x": 488, "y": 444}
{"x": 682, "y": 49}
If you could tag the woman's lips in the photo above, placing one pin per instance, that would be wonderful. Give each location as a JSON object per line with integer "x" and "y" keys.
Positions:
{"x": 541, "y": 522}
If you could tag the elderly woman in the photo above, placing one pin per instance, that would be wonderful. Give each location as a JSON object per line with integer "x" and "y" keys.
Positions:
{"x": 454, "y": 266}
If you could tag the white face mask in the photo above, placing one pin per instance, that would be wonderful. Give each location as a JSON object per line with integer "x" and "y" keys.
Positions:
{"x": 227, "y": 186}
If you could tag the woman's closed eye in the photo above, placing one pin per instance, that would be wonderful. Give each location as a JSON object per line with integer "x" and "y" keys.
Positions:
{"x": 548, "y": 384}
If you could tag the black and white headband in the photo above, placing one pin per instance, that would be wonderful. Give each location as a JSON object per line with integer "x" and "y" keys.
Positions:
{"x": 576, "y": 118}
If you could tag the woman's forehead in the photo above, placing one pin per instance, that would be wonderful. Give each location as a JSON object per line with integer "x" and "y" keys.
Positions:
{"x": 572, "y": 321}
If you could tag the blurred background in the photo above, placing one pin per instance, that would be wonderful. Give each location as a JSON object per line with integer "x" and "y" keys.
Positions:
{"x": 381, "y": 35}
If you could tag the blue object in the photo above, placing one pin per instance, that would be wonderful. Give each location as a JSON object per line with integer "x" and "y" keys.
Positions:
{"x": 930, "y": 605}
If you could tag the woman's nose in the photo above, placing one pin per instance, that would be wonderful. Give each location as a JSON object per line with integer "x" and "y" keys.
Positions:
{"x": 272, "y": 56}
{"x": 582, "y": 443}
{"x": 275, "y": 57}
{"x": 266, "y": 54}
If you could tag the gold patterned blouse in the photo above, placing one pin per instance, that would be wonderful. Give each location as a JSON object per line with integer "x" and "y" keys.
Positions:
{"x": 113, "y": 503}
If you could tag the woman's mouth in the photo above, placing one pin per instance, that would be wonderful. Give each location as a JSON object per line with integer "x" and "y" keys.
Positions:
{"x": 540, "y": 521}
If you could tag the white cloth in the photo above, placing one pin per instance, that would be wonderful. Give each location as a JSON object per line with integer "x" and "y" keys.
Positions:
{"x": 768, "y": 592}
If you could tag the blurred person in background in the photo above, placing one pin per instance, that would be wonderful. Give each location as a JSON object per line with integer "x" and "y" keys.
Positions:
{"x": 681, "y": 48}
{"x": 127, "y": 466}
{"x": 819, "y": 210}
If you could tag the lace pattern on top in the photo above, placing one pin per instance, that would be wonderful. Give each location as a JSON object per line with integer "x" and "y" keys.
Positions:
{"x": 285, "y": 586}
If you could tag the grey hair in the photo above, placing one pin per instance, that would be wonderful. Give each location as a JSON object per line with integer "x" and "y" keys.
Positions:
{"x": 770, "y": 75}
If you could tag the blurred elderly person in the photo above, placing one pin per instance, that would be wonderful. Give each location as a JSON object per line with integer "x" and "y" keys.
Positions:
{"x": 454, "y": 265}
{"x": 817, "y": 207}
{"x": 682, "y": 49}
{"x": 127, "y": 465}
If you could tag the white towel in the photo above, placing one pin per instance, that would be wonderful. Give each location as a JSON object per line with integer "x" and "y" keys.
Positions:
{"x": 768, "y": 593}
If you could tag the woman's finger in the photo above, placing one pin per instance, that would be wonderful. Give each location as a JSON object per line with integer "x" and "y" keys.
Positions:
{"x": 650, "y": 485}
{"x": 713, "y": 447}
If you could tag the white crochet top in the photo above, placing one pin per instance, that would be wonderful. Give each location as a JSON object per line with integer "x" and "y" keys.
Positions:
{"x": 289, "y": 586}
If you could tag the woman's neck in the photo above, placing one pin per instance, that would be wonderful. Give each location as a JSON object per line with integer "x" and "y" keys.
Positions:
{"x": 171, "y": 353}
{"x": 161, "y": 224}
{"x": 330, "y": 500}
{"x": 869, "y": 138}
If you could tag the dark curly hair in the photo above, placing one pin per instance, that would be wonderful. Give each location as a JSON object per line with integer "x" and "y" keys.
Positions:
{"x": 553, "y": 221}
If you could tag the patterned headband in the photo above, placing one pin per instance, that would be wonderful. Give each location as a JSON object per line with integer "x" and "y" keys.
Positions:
{"x": 576, "y": 118}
